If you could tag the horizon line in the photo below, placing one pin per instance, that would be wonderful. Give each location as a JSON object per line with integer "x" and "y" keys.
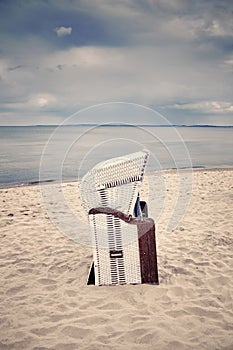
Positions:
{"x": 122, "y": 124}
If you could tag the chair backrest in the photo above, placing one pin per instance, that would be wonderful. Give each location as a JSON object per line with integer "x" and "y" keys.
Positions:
{"x": 114, "y": 183}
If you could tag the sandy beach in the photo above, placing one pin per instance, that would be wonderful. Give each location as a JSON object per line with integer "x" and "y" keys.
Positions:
{"x": 46, "y": 304}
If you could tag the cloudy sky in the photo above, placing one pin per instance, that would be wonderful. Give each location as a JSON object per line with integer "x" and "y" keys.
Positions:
{"x": 57, "y": 57}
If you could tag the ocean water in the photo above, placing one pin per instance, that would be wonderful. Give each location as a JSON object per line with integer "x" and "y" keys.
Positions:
{"x": 47, "y": 153}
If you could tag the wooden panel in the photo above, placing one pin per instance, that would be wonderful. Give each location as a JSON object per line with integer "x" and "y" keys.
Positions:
{"x": 147, "y": 249}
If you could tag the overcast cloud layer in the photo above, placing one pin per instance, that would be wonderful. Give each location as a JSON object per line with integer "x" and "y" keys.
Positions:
{"x": 57, "y": 57}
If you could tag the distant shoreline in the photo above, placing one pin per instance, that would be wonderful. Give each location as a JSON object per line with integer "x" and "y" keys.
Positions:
{"x": 71, "y": 180}
{"x": 119, "y": 125}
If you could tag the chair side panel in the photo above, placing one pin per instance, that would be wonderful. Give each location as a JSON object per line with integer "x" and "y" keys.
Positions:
{"x": 148, "y": 254}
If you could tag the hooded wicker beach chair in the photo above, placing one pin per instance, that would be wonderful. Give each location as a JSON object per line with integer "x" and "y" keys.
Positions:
{"x": 123, "y": 238}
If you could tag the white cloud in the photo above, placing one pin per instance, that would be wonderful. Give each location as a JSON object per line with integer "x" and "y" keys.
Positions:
{"x": 89, "y": 75}
{"x": 206, "y": 106}
{"x": 229, "y": 64}
{"x": 63, "y": 31}
{"x": 34, "y": 102}
{"x": 42, "y": 101}
{"x": 220, "y": 28}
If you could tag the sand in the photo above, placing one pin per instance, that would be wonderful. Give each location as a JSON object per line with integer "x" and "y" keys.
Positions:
{"x": 46, "y": 304}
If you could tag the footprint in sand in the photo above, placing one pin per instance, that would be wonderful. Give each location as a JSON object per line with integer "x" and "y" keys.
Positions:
{"x": 46, "y": 281}
{"x": 77, "y": 332}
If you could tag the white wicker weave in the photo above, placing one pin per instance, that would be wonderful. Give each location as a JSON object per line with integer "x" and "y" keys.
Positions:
{"x": 115, "y": 184}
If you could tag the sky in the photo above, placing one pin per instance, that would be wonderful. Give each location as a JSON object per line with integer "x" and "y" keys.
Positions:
{"x": 61, "y": 56}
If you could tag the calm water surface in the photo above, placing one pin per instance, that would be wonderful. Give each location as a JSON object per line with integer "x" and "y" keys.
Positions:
{"x": 45, "y": 153}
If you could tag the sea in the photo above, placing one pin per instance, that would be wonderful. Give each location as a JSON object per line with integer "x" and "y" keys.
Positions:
{"x": 32, "y": 154}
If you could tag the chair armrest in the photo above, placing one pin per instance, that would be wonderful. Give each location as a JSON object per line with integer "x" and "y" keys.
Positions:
{"x": 118, "y": 214}
{"x": 114, "y": 212}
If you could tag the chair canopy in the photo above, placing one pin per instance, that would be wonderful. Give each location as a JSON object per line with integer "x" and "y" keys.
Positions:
{"x": 114, "y": 183}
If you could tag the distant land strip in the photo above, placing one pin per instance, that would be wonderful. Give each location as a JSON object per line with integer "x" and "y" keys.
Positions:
{"x": 125, "y": 125}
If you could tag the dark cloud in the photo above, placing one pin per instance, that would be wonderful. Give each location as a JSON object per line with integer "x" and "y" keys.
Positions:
{"x": 119, "y": 23}
{"x": 173, "y": 55}
{"x": 14, "y": 68}
{"x": 60, "y": 66}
